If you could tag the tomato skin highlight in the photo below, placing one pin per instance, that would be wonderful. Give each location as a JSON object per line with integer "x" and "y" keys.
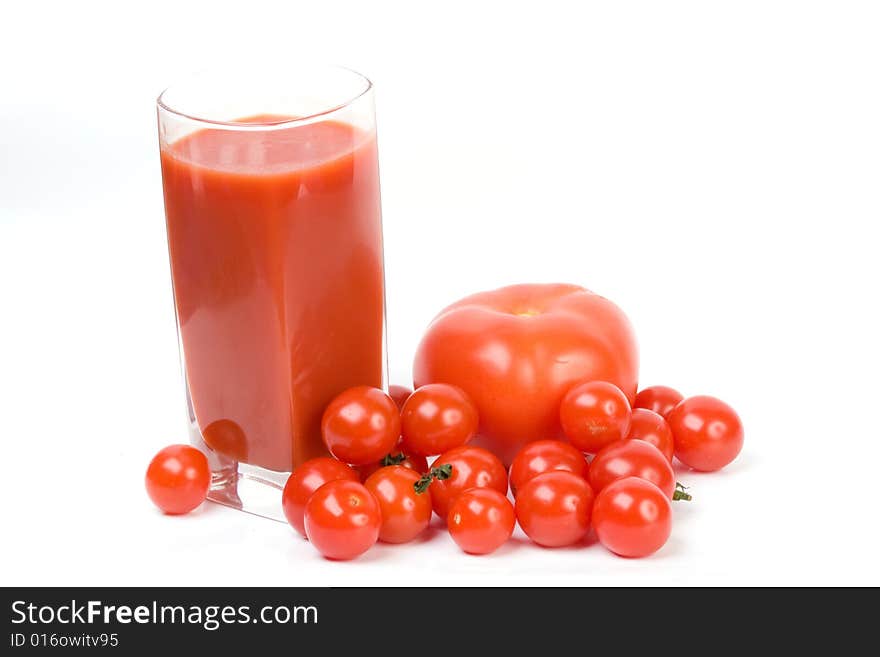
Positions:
{"x": 515, "y": 351}
{"x": 632, "y": 458}
{"x": 653, "y": 429}
{"x": 708, "y": 433}
{"x": 304, "y": 481}
{"x": 361, "y": 425}
{"x": 594, "y": 414}
{"x": 632, "y": 517}
{"x": 177, "y": 479}
{"x": 659, "y": 399}
{"x": 399, "y": 394}
{"x": 472, "y": 467}
{"x": 481, "y": 520}
{"x": 342, "y": 519}
{"x": 405, "y": 513}
{"x": 554, "y": 508}
{"x": 436, "y": 418}
{"x": 545, "y": 456}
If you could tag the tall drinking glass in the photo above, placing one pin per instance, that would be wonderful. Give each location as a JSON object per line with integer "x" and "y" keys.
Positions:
{"x": 271, "y": 186}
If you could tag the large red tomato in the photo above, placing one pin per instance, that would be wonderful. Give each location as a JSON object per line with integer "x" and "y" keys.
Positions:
{"x": 516, "y": 351}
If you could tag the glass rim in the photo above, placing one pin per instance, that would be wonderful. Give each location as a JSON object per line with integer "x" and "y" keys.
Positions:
{"x": 367, "y": 86}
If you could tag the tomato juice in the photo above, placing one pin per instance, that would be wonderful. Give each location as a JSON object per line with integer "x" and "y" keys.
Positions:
{"x": 275, "y": 242}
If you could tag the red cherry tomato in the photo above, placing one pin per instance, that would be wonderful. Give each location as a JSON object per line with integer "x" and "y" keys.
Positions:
{"x": 708, "y": 433}
{"x": 361, "y": 425}
{"x": 543, "y": 456}
{"x": 226, "y": 437}
{"x": 632, "y": 458}
{"x": 632, "y": 517}
{"x": 342, "y": 519}
{"x": 415, "y": 463}
{"x": 660, "y": 399}
{"x": 554, "y": 508}
{"x": 178, "y": 479}
{"x": 651, "y": 428}
{"x": 472, "y": 467}
{"x": 594, "y": 414}
{"x": 481, "y": 520}
{"x": 516, "y": 350}
{"x": 436, "y": 418}
{"x": 405, "y": 513}
{"x": 399, "y": 394}
{"x": 304, "y": 481}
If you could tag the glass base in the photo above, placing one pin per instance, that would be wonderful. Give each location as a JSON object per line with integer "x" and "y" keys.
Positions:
{"x": 241, "y": 486}
{"x": 251, "y": 489}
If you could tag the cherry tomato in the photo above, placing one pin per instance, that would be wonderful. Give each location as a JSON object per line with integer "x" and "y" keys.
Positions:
{"x": 632, "y": 517}
{"x": 405, "y": 513}
{"x": 361, "y": 425}
{"x": 544, "y": 456}
{"x": 516, "y": 351}
{"x": 481, "y": 520}
{"x": 304, "y": 481}
{"x": 178, "y": 479}
{"x": 342, "y": 519}
{"x": 594, "y": 414}
{"x": 472, "y": 467}
{"x": 660, "y": 399}
{"x": 554, "y": 508}
{"x": 436, "y": 418}
{"x": 415, "y": 463}
{"x": 651, "y": 428}
{"x": 399, "y": 394}
{"x": 708, "y": 433}
{"x": 226, "y": 437}
{"x": 632, "y": 458}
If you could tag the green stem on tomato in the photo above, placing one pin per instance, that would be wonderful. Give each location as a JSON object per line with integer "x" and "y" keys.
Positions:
{"x": 393, "y": 459}
{"x": 680, "y": 494}
{"x": 440, "y": 472}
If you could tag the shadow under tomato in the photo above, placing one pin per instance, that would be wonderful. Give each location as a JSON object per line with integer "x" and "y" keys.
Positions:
{"x": 588, "y": 541}
{"x": 430, "y": 533}
{"x": 379, "y": 552}
{"x": 202, "y": 509}
{"x": 437, "y": 523}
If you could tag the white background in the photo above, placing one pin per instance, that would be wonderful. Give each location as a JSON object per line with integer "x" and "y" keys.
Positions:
{"x": 712, "y": 167}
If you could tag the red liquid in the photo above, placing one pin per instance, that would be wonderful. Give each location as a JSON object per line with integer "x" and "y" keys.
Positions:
{"x": 275, "y": 240}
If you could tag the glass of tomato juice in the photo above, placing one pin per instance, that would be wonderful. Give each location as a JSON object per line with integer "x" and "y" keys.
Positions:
{"x": 271, "y": 186}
